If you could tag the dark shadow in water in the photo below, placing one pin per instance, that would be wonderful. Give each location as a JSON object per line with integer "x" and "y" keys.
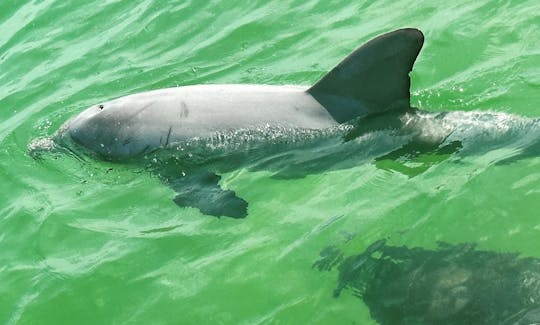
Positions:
{"x": 454, "y": 284}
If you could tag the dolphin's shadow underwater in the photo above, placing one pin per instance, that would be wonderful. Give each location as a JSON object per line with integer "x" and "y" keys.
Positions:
{"x": 357, "y": 113}
{"x": 453, "y": 284}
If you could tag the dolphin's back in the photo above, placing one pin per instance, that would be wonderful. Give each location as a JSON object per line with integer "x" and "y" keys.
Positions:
{"x": 246, "y": 106}
{"x": 202, "y": 110}
{"x": 130, "y": 125}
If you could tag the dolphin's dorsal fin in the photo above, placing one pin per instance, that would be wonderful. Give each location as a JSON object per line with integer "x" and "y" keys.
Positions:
{"x": 372, "y": 79}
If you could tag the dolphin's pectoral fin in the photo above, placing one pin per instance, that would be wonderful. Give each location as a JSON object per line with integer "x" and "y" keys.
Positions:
{"x": 201, "y": 190}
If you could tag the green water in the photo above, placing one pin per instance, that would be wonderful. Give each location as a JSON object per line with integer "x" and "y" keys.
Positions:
{"x": 83, "y": 243}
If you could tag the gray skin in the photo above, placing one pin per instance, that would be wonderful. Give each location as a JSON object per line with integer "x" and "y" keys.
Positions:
{"x": 371, "y": 80}
{"x": 134, "y": 124}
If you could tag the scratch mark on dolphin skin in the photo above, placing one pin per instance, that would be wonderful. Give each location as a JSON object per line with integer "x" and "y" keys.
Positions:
{"x": 184, "y": 111}
{"x": 168, "y": 136}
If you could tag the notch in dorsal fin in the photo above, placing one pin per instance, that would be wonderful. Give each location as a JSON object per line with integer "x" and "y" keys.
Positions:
{"x": 372, "y": 79}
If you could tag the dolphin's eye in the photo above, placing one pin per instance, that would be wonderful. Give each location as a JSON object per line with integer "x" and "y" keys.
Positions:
{"x": 100, "y": 106}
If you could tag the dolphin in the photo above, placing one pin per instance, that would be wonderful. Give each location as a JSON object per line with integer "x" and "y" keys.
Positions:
{"x": 194, "y": 133}
{"x": 373, "y": 80}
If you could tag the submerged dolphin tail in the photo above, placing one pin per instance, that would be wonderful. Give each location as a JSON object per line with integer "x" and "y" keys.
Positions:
{"x": 372, "y": 79}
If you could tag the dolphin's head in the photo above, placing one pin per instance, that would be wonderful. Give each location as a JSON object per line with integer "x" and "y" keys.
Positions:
{"x": 106, "y": 129}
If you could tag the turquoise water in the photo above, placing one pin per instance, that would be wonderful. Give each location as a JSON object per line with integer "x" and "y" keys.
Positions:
{"x": 87, "y": 241}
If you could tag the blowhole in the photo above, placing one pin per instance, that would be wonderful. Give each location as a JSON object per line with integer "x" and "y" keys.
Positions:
{"x": 100, "y": 106}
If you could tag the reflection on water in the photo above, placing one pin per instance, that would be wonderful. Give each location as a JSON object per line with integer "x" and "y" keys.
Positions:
{"x": 453, "y": 284}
